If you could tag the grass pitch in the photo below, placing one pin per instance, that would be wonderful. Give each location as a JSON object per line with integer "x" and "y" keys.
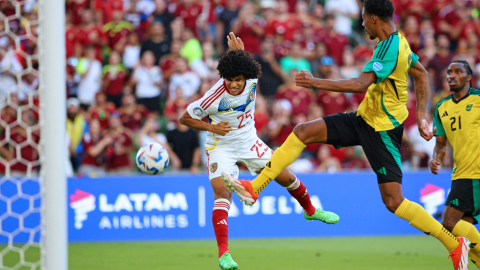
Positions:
{"x": 418, "y": 252}
{"x": 372, "y": 253}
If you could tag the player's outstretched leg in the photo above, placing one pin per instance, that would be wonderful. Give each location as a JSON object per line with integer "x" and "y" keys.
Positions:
{"x": 221, "y": 207}
{"x": 419, "y": 218}
{"x": 303, "y": 134}
{"x": 293, "y": 185}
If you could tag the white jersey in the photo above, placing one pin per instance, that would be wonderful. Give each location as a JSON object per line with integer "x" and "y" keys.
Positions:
{"x": 220, "y": 106}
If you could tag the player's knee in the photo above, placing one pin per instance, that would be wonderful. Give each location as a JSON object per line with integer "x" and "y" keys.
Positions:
{"x": 392, "y": 203}
{"x": 300, "y": 132}
{"x": 449, "y": 224}
{"x": 224, "y": 193}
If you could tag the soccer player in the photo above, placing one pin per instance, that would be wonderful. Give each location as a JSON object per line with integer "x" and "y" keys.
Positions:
{"x": 376, "y": 126}
{"x": 230, "y": 106}
{"x": 457, "y": 119}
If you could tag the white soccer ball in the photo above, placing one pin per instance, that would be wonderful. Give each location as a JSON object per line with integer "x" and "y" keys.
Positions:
{"x": 152, "y": 158}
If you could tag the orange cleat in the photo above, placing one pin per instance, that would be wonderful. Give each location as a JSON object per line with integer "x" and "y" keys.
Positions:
{"x": 243, "y": 188}
{"x": 460, "y": 254}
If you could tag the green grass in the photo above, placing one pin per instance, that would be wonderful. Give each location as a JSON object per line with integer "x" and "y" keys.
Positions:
{"x": 417, "y": 252}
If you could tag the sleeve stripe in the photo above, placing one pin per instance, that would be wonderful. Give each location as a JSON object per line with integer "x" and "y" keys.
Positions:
{"x": 382, "y": 49}
{"x": 387, "y": 47}
{"x": 213, "y": 100}
{"x": 207, "y": 100}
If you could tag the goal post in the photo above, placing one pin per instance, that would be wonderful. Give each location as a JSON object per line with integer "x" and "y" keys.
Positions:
{"x": 52, "y": 90}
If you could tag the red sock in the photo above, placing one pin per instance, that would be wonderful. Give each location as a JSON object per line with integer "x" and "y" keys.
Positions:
{"x": 300, "y": 193}
{"x": 220, "y": 224}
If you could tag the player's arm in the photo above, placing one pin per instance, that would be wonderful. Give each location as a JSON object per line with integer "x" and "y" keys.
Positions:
{"x": 438, "y": 154}
{"x": 354, "y": 85}
{"x": 221, "y": 128}
{"x": 420, "y": 77}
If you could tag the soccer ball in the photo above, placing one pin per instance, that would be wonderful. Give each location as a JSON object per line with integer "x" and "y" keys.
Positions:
{"x": 152, "y": 158}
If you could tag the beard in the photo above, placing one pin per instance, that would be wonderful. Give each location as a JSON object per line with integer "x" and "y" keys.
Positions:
{"x": 457, "y": 88}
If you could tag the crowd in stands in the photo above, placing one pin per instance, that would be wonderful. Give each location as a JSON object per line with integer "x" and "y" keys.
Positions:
{"x": 133, "y": 66}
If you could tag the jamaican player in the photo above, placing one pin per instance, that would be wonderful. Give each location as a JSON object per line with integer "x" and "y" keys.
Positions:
{"x": 457, "y": 118}
{"x": 376, "y": 126}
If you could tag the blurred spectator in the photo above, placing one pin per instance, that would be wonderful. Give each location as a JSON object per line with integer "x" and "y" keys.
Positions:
{"x": 283, "y": 23}
{"x": 280, "y": 125}
{"x": 118, "y": 159}
{"x": 261, "y": 117}
{"x": 167, "y": 63}
{"x": 27, "y": 87}
{"x": 300, "y": 98}
{"x": 149, "y": 134}
{"x": 162, "y": 15}
{"x": 157, "y": 43}
{"x": 184, "y": 143}
{"x": 428, "y": 51}
{"x": 188, "y": 81}
{"x": 19, "y": 135}
{"x": 438, "y": 65}
{"x": 319, "y": 53}
{"x": 71, "y": 33}
{"x": 114, "y": 78}
{"x": 349, "y": 69}
{"x": 294, "y": 60}
{"x": 90, "y": 70}
{"x": 117, "y": 31}
{"x": 132, "y": 114}
{"x": 345, "y": 11}
{"x": 351, "y": 161}
{"x": 326, "y": 67}
{"x": 104, "y": 9}
{"x": 101, "y": 110}
{"x": 272, "y": 75}
{"x": 224, "y": 23}
{"x": 315, "y": 112}
{"x": 189, "y": 11}
{"x": 327, "y": 163}
{"x": 333, "y": 102}
{"x": 412, "y": 33}
{"x": 179, "y": 103}
{"x": 449, "y": 16}
{"x": 131, "y": 54}
{"x": 191, "y": 50}
{"x": 76, "y": 126}
{"x": 249, "y": 27}
{"x": 75, "y": 8}
{"x": 90, "y": 34}
{"x": 148, "y": 81}
{"x": 422, "y": 149}
{"x": 206, "y": 67}
{"x": 94, "y": 150}
{"x": 334, "y": 41}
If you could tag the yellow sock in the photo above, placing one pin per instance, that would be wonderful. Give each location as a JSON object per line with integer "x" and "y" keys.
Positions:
{"x": 420, "y": 219}
{"x": 474, "y": 257}
{"x": 467, "y": 230}
{"x": 281, "y": 159}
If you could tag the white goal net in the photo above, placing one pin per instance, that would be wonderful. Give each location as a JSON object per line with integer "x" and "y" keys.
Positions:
{"x": 23, "y": 100}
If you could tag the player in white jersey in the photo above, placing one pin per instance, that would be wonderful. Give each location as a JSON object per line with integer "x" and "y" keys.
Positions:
{"x": 230, "y": 107}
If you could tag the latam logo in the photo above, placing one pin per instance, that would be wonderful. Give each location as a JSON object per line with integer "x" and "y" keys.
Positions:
{"x": 432, "y": 197}
{"x": 82, "y": 203}
{"x": 144, "y": 209}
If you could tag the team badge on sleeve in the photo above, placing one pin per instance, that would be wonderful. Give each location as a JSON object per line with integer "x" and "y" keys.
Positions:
{"x": 198, "y": 111}
{"x": 213, "y": 167}
{"x": 377, "y": 66}
{"x": 251, "y": 95}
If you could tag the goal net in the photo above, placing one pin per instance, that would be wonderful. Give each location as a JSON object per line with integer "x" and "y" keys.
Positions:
{"x": 27, "y": 133}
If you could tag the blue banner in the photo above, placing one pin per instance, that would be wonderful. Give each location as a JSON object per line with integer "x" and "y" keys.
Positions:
{"x": 180, "y": 207}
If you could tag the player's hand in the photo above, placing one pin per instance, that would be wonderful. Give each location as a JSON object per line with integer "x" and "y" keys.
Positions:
{"x": 304, "y": 78}
{"x": 435, "y": 166}
{"x": 222, "y": 128}
{"x": 424, "y": 131}
{"x": 235, "y": 43}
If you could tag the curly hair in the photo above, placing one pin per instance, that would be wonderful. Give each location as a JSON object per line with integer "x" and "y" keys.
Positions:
{"x": 381, "y": 8}
{"x": 238, "y": 62}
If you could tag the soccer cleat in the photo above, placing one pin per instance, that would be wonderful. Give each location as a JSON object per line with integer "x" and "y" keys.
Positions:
{"x": 460, "y": 254}
{"x": 325, "y": 216}
{"x": 242, "y": 188}
{"x": 226, "y": 262}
